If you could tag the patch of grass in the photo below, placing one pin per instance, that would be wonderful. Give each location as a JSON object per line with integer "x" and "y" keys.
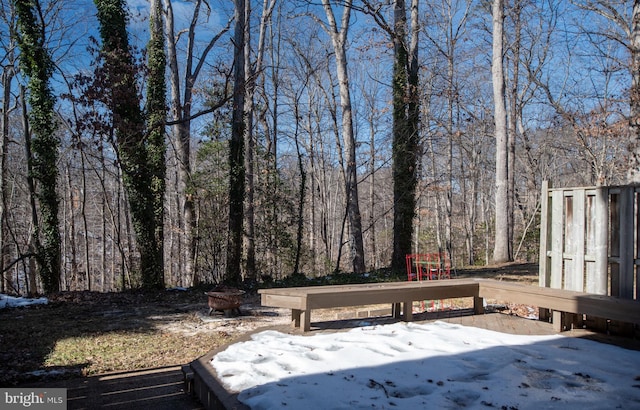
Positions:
{"x": 82, "y": 333}
{"x": 125, "y": 350}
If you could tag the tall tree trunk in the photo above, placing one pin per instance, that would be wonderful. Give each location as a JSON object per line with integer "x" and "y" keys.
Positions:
{"x": 85, "y": 222}
{"x": 339, "y": 39}
{"x": 249, "y": 159}
{"x": 70, "y": 224}
{"x": 36, "y": 62}
{"x": 633, "y": 175}
{"x": 513, "y": 119}
{"x": 181, "y": 108}
{"x": 137, "y": 155}
{"x": 103, "y": 228}
{"x": 34, "y": 239}
{"x": 501, "y": 244}
{"x": 236, "y": 153}
{"x": 156, "y": 119}
{"x": 405, "y": 131}
{"x": 301, "y": 195}
{"x": 180, "y": 114}
{"x": 374, "y": 262}
{"x": 7, "y": 79}
{"x": 252, "y": 72}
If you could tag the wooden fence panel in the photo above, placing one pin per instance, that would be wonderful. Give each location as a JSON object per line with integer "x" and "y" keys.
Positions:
{"x": 574, "y": 277}
{"x": 590, "y": 240}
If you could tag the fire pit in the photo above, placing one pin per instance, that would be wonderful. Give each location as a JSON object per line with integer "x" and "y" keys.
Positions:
{"x": 225, "y": 299}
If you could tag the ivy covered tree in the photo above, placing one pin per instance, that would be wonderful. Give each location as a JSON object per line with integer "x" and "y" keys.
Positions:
{"x": 156, "y": 121}
{"x": 138, "y": 150}
{"x": 36, "y": 63}
{"x": 406, "y": 119}
{"x": 236, "y": 152}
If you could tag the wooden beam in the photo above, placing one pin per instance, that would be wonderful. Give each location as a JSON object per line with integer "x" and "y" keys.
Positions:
{"x": 544, "y": 267}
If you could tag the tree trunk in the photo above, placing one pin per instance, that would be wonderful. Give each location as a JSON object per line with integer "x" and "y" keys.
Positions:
{"x": 501, "y": 244}
{"x": 513, "y": 119}
{"x": 252, "y": 72}
{"x": 339, "y": 38}
{"x": 236, "y": 153}
{"x": 249, "y": 143}
{"x": 70, "y": 224}
{"x": 34, "y": 240}
{"x": 633, "y": 175}
{"x": 181, "y": 109}
{"x": 405, "y": 131}
{"x": 36, "y": 63}
{"x": 156, "y": 116}
{"x": 180, "y": 113}
{"x": 7, "y": 80}
{"x": 139, "y": 171}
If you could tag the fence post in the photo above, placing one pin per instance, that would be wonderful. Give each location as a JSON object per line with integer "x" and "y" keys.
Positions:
{"x": 544, "y": 268}
{"x": 557, "y": 236}
{"x": 598, "y": 282}
{"x": 626, "y": 243}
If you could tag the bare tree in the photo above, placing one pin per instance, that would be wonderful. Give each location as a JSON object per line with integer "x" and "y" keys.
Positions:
{"x": 253, "y": 70}
{"x": 8, "y": 63}
{"x": 624, "y": 15}
{"x": 180, "y": 117}
{"x": 237, "y": 150}
{"x": 338, "y": 37}
{"x": 501, "y": 244}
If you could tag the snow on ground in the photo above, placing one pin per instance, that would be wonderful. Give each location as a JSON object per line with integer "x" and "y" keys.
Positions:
{"x": 428, "y": 366}
{"x": 12, "y": 301}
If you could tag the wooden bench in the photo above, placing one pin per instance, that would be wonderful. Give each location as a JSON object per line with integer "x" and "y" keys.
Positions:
{"x": 401, "y": 295}
{"x": 303, "y": 300}
{"x": 565, "y": 304}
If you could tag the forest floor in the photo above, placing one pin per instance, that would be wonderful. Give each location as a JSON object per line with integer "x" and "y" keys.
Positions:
{"x": 88, "y": 333}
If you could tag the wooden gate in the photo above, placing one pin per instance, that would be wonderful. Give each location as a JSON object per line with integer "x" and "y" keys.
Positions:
{"x": 589, "y": 240}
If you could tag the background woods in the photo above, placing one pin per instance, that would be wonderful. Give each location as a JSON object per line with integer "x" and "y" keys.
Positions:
{"x": 170, "y": 143}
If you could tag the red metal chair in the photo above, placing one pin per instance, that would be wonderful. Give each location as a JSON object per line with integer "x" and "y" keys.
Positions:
{"x": 445, "y": 266}
{"x": 413, "y": 268}
{"x": 430, "y": 265}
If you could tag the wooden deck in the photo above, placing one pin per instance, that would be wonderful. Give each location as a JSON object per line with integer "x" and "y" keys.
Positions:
{"x": 204, "y": 383}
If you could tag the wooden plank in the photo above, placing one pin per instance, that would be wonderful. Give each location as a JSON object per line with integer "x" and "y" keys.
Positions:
{"x": 568, "y": 239}
{"x": 357, "y": 297}
{"x": 544, "y": 268}
{"x": 614, "y": 242}
{"x": 284, "y": 301}
{"x": 627, "y": 261}
{"x": 575, "y": 277}
{"x": 478, "y": 305}
{"x": 556, "y": 320}
{"x": 557, "y": 222}
{"x": 407, "y": 310}
{"x": 590, "y": 242}
{"x": 296, "y": 315}
{"x": 598, "y": 282}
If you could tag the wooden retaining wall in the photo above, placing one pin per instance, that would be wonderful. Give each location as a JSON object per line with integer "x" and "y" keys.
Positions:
{"x": 589, "y": 240}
